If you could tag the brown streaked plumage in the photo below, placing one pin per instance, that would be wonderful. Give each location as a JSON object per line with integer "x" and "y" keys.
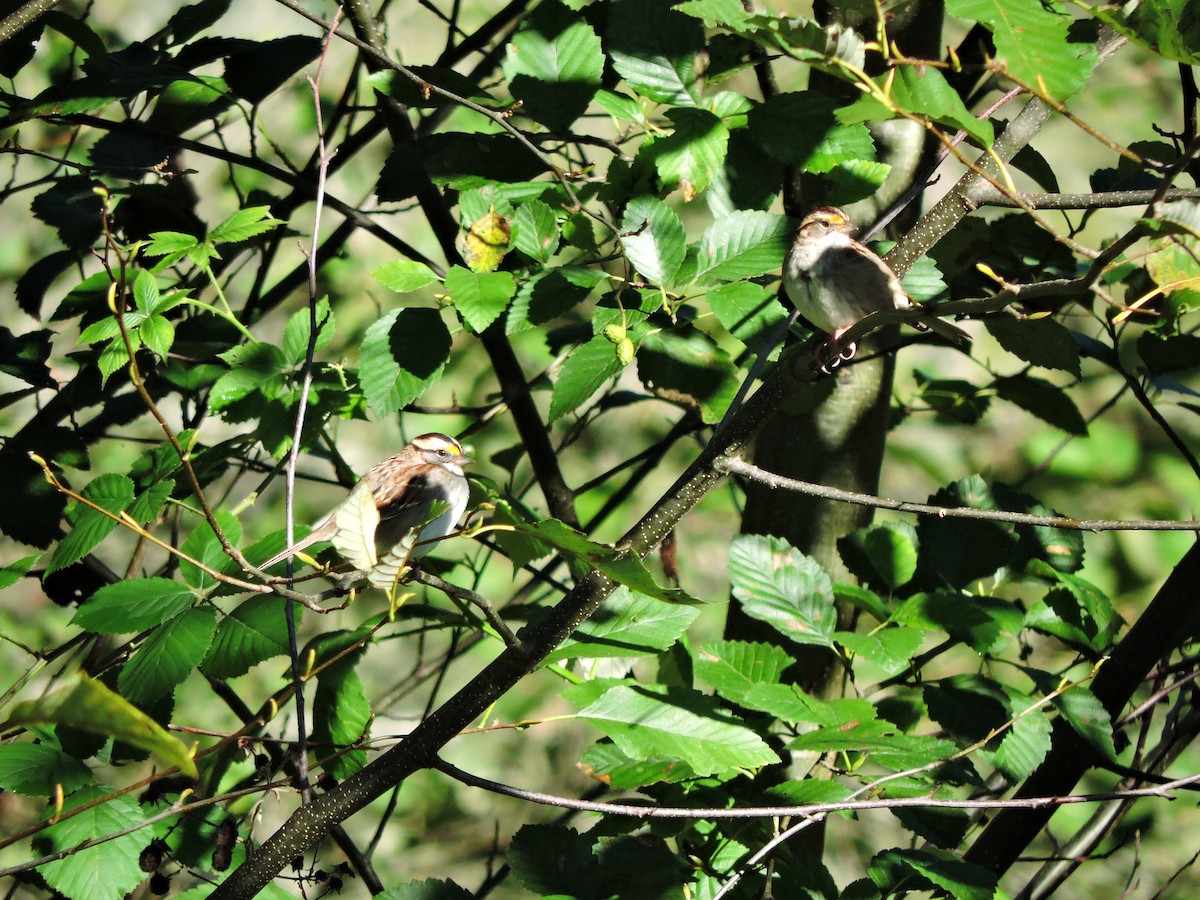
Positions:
{"x": 429, "y": 468}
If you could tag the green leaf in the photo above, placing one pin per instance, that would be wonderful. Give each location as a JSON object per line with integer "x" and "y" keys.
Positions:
{"x": 298, "y": 328}
{"x": 923, "y": 91}
{"x": 655, "y": 49}
{"x": 779, "y": 585}
{"x": 15, "y": 571}
{"x": 732, "y": 668}
{"x": 133, "y": 605}
{"x": 202, "y": 545}
{"x": 653, "y": 239}
{"x": 583, "y": 373}
{"x": 688, "y": 368}
{"x": 404, "y": 275}
{"x": 173, "y": 245}
{"x": 111, "y": 492}
{"x": 255, "y": 631}
{"x": 37, "y": 770}
{"x": 1047, "y": 401}
{"x": 107, "y": 871}
{"x": 1086, "y": 714}
{"x": 881, "y": 555}
{"x": 978, "y": 621}
{"x": 964, "y": 881}
{"x": 243, "y": 225}
{"x": 620, "y": 107}
{"x": 548, "y": 295}
{"x": 619, "y": 565}
{"x": 802, "y": 130}
{"x": 158, "y": 334}
{"x": 145, "y": 292}
{"x": 605, "y": 762}
{"x": 1166, "y": 27}
{"x": 88, "y": 704}
{"x": 1026, "y": 742}
{"x": 743, "y": 245}
{"x": 1033, "y": 42}
{"x": 401, "y": 355}
{"x": 691, "y": 155}
{"x": 553, "y": 65}
{"x": 480, "y": 297}
{"x": 535, "y": 230}
{"x": 627, "y": 624}
{"x": 890, "y": 649}
{"x": 793, "y": 704}
{"x": 1042, "y": 342}
{"x": 684, "y": 724}
{"x": 253, "y": 368}
{"x": 748, "y": 311}
{"x": 168, "y": 655}
{"x": 342, "y": 715}
{"x": 552, "y": 860}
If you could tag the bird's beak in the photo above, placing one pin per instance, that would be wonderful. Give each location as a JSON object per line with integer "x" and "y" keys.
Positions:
{"x": 463, "y": 460}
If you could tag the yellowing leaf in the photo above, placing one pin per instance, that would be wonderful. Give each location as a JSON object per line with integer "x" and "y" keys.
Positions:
{"x": 487, "y": 242}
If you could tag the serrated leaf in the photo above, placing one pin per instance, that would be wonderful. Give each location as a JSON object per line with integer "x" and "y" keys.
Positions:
{"x": 1086, "y": 714}
{"x": 535, "y": 230}
{"x": 401, "y": 355}
{"x": 890, "y": 649}
{"x": 653, "y": 239}
{"x": 255, "y": 631}
{"x": 37, "y": 770}
{"x": 480, "y": 297}
{"x": 980, "y": 622}
{"x": 743, "y": 245}
{"x": 779, "y": 585}
{"x": 733, "y": 668}
{"x": 111, "y": 492}
{"x": 202, "y": 545}
{"x": 691, "y": 155}
{"x": 299, "y": 327}
{"x": 158, "y": 334}
{"x": 553, "y": 65}
{"x": 1047, "y": 401}
{"x": 619, "y": 565}
{"x": 404, "y": 275}
{"x": 882, "y": 555}
{"x": 1168, "y": 28}
{"x": 1026, "y": 742}
{"x": 86, "y": 703}
{"x": 684, "y": 724}
{"x": 748, "y": 311}
{"x": 168, "y": 655}
{"x": 583, "y": 373}
{"x": 654, "y": 49}
{"x": 1042, "y": 342}
{"x": 802, "y": 130}
{"x": 923, "y": 91}
{"x": 689, "y": 369}
{"x": 627, "y": 624}
{"x": 243, "y": 225}
{"x": 341, "y": 715}
{"x": 107, "y": 871}
{"x": 133, "y": 605}
{"x": 958, "y": 879}
{"x": 1033, "y": 42}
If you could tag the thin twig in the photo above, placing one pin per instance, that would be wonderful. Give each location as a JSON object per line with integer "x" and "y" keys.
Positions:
{"x": 734, "y": 466}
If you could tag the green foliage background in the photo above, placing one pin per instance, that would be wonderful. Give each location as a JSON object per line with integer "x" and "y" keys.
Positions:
{"x": 558, "y": 236}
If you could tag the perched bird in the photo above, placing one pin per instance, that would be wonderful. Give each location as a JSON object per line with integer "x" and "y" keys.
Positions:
{"x": 835, "y": 281}
{"x": 429, "y": 468}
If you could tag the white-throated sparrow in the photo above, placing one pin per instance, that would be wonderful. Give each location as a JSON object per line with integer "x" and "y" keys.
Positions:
{"x": 835, "y": 281}
{"x": 429, "y": 468}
